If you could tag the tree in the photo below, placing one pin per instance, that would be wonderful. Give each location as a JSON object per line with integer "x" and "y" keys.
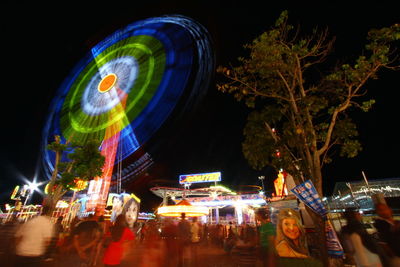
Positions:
{"x": 300, "y": 120}
{"x": 84, "y": 162}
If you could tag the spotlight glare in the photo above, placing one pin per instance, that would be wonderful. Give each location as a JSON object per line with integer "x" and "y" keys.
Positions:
{"x": 33, "y": 186}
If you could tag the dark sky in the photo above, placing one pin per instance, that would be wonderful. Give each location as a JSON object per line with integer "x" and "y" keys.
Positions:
{"x": 41, "y": 44}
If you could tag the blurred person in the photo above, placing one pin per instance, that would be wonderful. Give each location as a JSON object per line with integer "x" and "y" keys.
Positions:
{"x": 120, "y": 236}
{"x": 153, "y": 246}
{"x": 56, "y": 241}
{"x": 358, "y": 243}
{"x": 219, "y": 235}
{"x": 183, "y": 239}
{"x": 170, "y": 235}
{"x": 7, "y": 241}
{"x": 231, "y": 237}
{"x": 206, "y": 234}
{"x": 388, "y": 230}
{"x": 85, "y": 237}
{"x": 290, "y": 235}
{"x": 244, "y": 248}
{"x": 33, "y": 238}
{"x": 99, "y": 250}
{"x": 143, "y": 231}
{"x": 266, "y": 238}
{"x": 195, "y": 234}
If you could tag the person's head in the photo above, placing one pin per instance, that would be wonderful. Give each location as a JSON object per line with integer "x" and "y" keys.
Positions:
{"x": 383, "y": 211}
{"x": 90, "y": 217}
{"x": 46, "y": 210}
{"x": 262, "y": 215}
{"x": 131, "y": 211}
{"x": 183, "y": 216}
{"x": 352, "y": 215}
{"x": 290, "y": 225}
{"x": 289, "y": 229}
{"x": 118, "y": 202}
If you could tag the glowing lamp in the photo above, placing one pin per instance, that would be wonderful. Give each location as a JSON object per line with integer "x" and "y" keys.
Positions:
{"x": 62, "y": 204}
{"x": 182, "y": 206}
{"x": 47, "y": 188}
{"x": 79, "y": 185}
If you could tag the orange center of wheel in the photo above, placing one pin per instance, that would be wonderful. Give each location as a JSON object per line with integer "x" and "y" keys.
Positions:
{"x": 107, "y": 83}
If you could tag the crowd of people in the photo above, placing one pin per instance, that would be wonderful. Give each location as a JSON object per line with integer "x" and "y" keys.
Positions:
{"x": 371, "y": 249}
{"x": 95, "y": 242}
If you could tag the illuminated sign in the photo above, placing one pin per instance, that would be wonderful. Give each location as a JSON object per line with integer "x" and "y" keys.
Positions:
{"x": 246, "y": 199}
{"x": 182, "y": 206}
{"x": 94, "y": 186}
{"x": 200, "y": 178}
{"x": 280, "y": 185}
{"x": 14, "y": 193}
{"x": 176, "y": 211}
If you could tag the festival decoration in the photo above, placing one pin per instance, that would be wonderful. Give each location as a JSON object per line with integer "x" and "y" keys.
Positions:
{"x": 280, "y": 185}
{"x": 79, "y": 185}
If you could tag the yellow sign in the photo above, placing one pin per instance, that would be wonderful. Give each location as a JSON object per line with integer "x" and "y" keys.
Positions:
{"x": 200, "y": 178}
{"x": 14, "y": 193}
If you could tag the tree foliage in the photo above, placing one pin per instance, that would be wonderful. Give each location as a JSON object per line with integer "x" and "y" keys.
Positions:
{"x": 83, "y": 162}
{"x": 302, "y": 113}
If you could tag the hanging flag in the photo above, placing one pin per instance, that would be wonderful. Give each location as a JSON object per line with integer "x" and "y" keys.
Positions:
{"x": 307, "y": 193}
{"x": 335, "y": 249}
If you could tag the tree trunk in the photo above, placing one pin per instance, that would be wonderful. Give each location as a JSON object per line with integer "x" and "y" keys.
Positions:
{"x": 53, "y": 197}
{"x": 319, "y": 225}
{"x": 318, "y": 220}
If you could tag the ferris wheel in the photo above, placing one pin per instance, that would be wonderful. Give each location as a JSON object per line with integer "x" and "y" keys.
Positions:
{"x": 131, "y": 85}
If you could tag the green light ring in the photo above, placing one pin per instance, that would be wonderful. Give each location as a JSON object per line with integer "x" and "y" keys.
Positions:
{"x": 155, "y": 71}
{"x": 75, "y": 123}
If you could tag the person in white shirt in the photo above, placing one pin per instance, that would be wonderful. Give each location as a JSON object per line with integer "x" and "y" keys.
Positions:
{"x": 32, "y": 239}
{"x": 358, "y": 243}
{"x": 195, "y": 233}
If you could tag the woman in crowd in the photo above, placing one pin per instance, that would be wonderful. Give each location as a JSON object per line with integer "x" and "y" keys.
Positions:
{"x": 120, "y": 235}
{"x": 358, "y": 243}
{"x": 290, "y": 236}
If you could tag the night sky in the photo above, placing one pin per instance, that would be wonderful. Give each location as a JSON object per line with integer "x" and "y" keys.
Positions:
{"x": 41, "y": 45}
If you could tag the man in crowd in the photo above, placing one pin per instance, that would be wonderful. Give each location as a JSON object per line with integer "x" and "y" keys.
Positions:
{"x": 388, "y": 231}
{"x": 85, "y": 238}
{"x": 266, "y": 236}
{"x": 32, "y": 240}
{"x": 183, "y": 239}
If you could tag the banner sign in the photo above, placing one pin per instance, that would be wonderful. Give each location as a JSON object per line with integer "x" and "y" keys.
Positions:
{"x": 14, "y": 193}
{"x": 200, "y": 178}
{"x": 332, "y": 241}
{"x": 307, "y": 193}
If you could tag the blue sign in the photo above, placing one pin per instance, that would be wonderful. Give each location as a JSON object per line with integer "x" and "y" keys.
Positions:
{"x": 335, "y": 249}
{"x": 307, "y": 193}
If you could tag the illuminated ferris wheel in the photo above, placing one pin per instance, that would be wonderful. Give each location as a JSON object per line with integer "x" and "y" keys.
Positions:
{"x": 129, "y": 86}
